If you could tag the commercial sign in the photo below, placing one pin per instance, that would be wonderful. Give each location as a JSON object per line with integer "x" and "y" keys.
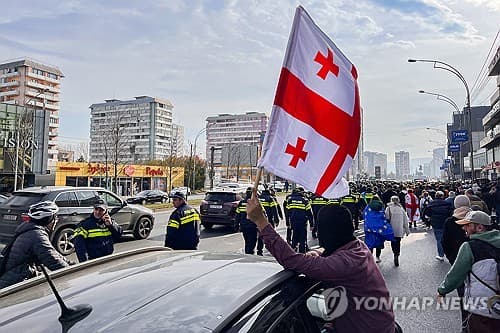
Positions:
{"x": 446, "y": 162}
{"x": 453, "y": 147}
{"x": 459, "y": 136}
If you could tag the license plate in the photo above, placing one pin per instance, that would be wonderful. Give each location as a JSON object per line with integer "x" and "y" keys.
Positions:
{"x": 216, "y": 206}
{"x": 10, "y": 217}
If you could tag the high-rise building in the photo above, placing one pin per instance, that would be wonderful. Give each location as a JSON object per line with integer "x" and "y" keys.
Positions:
{"x": 491, "y": 123}
{"x": 357, "y": 166}
{"x": 402, "y": 164}
{"x": 137, "y": 130}
{"x": 178, "y": 140}
{"x": 28, "y": 82}
{"x": 437, "y": 162}
{"x": 374, "y": 159}
{"x": 236, "y": 139}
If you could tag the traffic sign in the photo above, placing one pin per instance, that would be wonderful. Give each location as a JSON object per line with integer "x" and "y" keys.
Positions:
{"x": 453, "y": 147}
{"x": 459, "y": 136}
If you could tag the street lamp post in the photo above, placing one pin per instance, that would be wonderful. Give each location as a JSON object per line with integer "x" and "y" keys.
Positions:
{"x": 451, "y": 69}
{"x": 448, "y": 100}
{"x": 194, "y": 157}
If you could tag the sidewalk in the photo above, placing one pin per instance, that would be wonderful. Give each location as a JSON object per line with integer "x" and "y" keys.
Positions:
{"x": 419, "y": 274}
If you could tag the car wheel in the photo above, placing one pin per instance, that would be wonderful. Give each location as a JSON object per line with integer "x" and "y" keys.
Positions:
{"x": 143, "y": 202}
{"x": 63, "y": 241}
{"x": 163, "y": 200}
{"x": 234, "y": 227}
{"x": 143, "y": 228}
{"x": 208, "y": 226}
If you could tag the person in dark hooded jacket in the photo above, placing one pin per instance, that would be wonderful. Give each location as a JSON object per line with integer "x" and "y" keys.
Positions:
{"x": 342, "y": 261}
{"x": 32, "y": 246}
{"x": 438, "y": 211}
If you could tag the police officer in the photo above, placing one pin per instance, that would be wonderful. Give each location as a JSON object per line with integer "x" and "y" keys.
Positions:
{"x": 247, "y": 227}
{"x": 298, "y": 213}
{"x": 351, "y": 203}
{"x": 278, "y": 207}
{"x": 95, "y": 236}
{"x": 269, "y": 205}
{"x": 317, "y": 202}
{"x": 183, "y": 228}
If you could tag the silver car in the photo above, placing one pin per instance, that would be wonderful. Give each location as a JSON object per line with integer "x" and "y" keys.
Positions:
{"x": 75, "y": 204}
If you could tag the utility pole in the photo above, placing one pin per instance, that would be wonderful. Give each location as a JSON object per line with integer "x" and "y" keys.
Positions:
{"x": 211, "y": 173}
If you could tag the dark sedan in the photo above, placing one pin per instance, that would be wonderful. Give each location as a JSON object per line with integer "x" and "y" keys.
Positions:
{"x": 157, "y": 290}
{"x": 148, "y": 196}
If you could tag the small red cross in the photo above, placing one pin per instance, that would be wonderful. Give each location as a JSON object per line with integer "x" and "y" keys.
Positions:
{"x": 297, "y": 152}
{"x": 327, "y": 64}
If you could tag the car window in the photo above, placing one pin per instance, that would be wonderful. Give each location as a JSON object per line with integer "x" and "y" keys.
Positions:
{"x": 225, "y": 197}
{"x": 291, "y": 323}
{"x": 110, "y": 199}
{"x": 143, "y": 193}
{"x": 23, "y": 199}
{"x": 86, "y": 198}
{"x": 66, "y": 199}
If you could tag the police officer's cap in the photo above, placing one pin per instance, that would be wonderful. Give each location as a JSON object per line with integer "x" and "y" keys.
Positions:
{"x": 178, "y": 195}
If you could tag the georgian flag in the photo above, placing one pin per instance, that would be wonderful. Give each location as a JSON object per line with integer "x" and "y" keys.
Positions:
{"x": 315, "y": 124}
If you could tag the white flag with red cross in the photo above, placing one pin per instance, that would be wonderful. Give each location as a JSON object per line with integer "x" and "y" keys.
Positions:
{"x": 315, "y": 125}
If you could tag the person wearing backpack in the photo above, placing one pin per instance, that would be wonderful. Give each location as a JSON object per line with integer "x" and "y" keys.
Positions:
{"x": 31, "y": 245}
{"x": 476, "y": 266}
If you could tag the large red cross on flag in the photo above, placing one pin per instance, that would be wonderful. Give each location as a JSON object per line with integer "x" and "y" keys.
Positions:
{"x": 315, "y": 125}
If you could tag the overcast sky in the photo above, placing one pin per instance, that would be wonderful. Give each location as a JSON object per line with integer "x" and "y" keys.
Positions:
{"x": 210, "y": 57}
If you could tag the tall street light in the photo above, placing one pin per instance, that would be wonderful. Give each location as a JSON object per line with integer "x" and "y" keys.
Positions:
{"x": 203, "y": 130}
{"x": 442, "y": 65}
{"x": 448, "y": 100}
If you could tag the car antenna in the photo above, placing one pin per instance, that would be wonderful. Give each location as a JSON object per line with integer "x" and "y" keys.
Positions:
{"x": 69, "y": 316}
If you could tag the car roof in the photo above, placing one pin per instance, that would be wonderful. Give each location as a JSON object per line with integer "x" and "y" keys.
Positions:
{"x": 153, "y": 290}
{"x": 49, "y": 189}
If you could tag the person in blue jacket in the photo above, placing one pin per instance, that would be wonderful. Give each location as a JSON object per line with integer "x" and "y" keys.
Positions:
{"x": 95, "y": 236}
{"x": 183, "y": 228}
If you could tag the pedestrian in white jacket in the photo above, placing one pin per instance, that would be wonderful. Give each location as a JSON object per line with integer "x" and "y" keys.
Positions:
{"x": 396, "y": 215}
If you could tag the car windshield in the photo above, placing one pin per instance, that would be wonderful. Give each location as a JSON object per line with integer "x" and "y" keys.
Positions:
{"x": 143, "y": 193}
{"x": 23, "y": 199}
{"x": 225, "y": 197}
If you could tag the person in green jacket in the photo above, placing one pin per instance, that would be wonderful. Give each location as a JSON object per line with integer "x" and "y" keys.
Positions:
{"x": 475, "y": 266}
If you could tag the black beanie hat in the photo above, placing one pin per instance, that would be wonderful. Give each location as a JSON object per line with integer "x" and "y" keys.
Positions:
{"x": 335, "y": 228}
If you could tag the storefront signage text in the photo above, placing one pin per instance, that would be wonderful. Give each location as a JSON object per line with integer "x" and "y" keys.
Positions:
{"x": 97, "y": 168}
{"x": 154, "y": 172}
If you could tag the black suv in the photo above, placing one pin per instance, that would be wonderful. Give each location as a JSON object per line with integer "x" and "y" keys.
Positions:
{"x": 219, "y": 207}
{"x": 75, "y": 204}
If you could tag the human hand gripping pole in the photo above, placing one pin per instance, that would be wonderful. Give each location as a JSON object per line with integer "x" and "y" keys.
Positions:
{"x": 255, "y": 212}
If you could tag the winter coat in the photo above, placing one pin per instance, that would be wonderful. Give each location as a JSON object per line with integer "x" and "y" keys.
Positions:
{"x": 438, "y": 211}
{"x": 28, "y": 247}
{"x": 453, "y": 237}
{"x": 93, "y": 239}
{"x": 396, "y": 215}
{"x": 183, "y": 229}
{"x": 475, "y": 200}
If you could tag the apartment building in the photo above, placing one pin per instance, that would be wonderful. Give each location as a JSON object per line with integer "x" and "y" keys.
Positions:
{"x": 236, "y": 139}
{"x": 178, "y": 140}
{"x": 402, "y": 159}
{"x": 373, "y": 160}
{"x": 491, "y": 123}
{"x": 131, "y": 131}
{"x": 27, "y": 82}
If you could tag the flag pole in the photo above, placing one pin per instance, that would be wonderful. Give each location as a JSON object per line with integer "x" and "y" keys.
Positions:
{"x": 257, "y": 179}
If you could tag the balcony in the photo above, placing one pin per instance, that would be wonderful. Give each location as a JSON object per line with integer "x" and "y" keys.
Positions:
{"x": 9, "y": 84}
{"x": 43, "y": 86}
{"x": 493, "y": 117}
{"x": 44, "y": 78}
{"x": 9, "y": 75}
{"x": 9, "y": 93}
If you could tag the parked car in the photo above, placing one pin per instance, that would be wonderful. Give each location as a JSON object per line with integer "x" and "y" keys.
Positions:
{"x": 183, "y": 189}
{"x": 278, "y": 186}
{"x": 203, "y": 292}
{"x": 219, "y": 208}
{"x": 75, "y": 204}
{"x": 148, "y": 196}
{"x": 3, "y": 198}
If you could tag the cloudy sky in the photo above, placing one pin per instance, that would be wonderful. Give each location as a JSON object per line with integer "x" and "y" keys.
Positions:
{"x": 213, "y": 56}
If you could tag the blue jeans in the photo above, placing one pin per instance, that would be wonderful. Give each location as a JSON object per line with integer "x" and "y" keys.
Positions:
{"x": 438, "y": 233}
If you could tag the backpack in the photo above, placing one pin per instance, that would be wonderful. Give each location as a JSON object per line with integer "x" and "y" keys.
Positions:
{"x": 4, "y": 255}
{"x": 483, "y": 250}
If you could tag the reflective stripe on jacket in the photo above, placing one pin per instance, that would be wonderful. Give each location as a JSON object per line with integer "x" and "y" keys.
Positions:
{"x": 183, "y": 228}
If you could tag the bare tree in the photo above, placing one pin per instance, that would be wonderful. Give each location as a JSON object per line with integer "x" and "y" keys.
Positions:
{"x": 82, "y": 151}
